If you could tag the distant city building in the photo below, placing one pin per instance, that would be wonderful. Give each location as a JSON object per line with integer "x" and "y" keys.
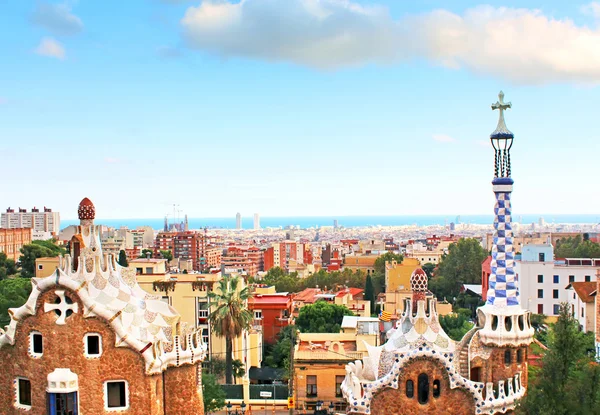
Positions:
{"x": 335, "y": 224}
{"x": 190, "y": 245}
{"x": 279, "y": 254}
{"x": 12, "y": 240}
{"x": 44, "y": 221}
{"x": 244, "y": 260}
{"x": 256, "y": 221}
{"x": 238, "y": 221}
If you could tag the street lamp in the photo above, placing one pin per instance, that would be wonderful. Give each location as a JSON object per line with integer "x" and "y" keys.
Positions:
{"x": 331, "y": 408}
{"x": 243, "y": 407}
{"x": 319, "y": 405}
{"x": 229, "y": 406}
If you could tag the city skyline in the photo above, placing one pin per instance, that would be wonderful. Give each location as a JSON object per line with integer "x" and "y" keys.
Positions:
{"x": 105, "y": 99}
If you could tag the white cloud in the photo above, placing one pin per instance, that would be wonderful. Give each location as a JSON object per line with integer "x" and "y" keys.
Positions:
{"x": 521, "y": 45}
{"x": 51, "y": 48}
{"x": 444, "y": 138}
{"x": 591, "y": 9}
{"x": 57, "y": 18}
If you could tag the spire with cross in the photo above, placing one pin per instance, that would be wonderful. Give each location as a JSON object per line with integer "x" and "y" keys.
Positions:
{"x": 501, "y": 129}
{"x": 502, "y": 140}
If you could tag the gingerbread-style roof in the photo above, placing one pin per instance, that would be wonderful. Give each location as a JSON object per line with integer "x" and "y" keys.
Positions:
{"x": 86, "y": 210}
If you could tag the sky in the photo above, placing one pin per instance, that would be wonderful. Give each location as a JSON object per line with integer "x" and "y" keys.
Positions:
{"x": 296, "y": 107}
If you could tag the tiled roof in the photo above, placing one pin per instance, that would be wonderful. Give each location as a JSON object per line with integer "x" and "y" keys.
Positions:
{"x": 353, "y": 291}
{"x": 584, "y": 290}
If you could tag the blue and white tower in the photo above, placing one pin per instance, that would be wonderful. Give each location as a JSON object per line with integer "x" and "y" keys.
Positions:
{"x": 503, "y": 321}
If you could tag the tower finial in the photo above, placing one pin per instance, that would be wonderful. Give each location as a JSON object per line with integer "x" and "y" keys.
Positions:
{"x": 502, "y": 139}
{"x": 501, "y": 129}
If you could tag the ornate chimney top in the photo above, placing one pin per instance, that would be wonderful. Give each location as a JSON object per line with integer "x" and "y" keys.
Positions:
{"x": 86, "y": 210}
{"x": 418, "y": 281}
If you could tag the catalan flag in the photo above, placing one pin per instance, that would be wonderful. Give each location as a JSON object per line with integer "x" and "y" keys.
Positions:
{"x": 385, "y": 316}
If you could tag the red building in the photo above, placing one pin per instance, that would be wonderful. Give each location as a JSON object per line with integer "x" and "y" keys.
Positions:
{"x": 486, "y": 270}
{"x": 244, "y": 259}
{"x": 273, "y": 312}
{"x": 281, "y": 253}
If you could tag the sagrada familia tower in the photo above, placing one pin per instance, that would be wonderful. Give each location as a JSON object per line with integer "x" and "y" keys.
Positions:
{"x": 420, "y": 370}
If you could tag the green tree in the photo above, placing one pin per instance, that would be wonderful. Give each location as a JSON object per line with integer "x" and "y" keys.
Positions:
{"x": 278, "y": 354}
{"x": 14, "y": 292}
{"x": 52, "y": 246}
{"x": 369, "y": 291}
{"x": 123, "y": 259}
{"x": 230, "y": 316}
{"x": 577, "y": 247}
{"x": 322, "y": 317}
{"x": 29, "y": 253}
{"x": 7, "y": 266}
{"x": 212, "y": 393}
{"x": 166, "y": 254}
{"x": 457, "y": 324}
{"x": 568, "y": 382}
{"x": 428, "y": 268}
{"x": 146, "y": 253}
{"x": 462, "y": 265}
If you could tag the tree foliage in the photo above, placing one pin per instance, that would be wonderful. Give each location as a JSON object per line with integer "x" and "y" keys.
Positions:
{"x": 123, "y": 258}
{"x": 462, "y": 265}
{"x": 456, "y": 325}
{"x": 7, "y": 266}
{"x": 146, "y": 253}
{"x": 14, "y": 292}
{"x": 278, "y": 355}
{"x": 428, "y": 268}
{"x": 166, "y": 254}
{"x": 388, "y": 256}
{"x": 291, "y": 282}
{"x": 52, "y": 246}
{"x": 29, "y": 253}
{"x": 230, "y": 316}
{"x": 369, "y": 291}
{"x": 322, "y": 317}
{"x": 576, "y": 247}
{"x": 212, "y": 393}
{"x": 569, "y": 380}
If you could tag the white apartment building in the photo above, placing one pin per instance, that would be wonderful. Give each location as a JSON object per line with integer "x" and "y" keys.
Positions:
{"x": 44, "y": 221}
{"x": 543, "y": 281}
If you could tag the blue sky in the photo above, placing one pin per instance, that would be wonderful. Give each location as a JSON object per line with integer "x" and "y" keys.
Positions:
{"x": 296, "y": 107}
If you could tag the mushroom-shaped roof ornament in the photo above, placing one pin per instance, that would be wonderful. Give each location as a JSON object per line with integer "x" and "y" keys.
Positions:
{"x": 86, "y": 210}
{"x": 418, "y": 280}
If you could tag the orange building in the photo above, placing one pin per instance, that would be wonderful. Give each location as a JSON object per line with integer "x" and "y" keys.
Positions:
{"x": 12, "y": 240}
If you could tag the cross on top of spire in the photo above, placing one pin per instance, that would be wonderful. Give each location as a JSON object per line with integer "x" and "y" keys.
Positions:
{"x": 501, "y": 129}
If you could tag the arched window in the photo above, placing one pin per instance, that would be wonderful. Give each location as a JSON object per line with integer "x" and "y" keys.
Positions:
{"x": 519, "y": 355}
{"x": 423, "y": 391}
{"x": 507, "y": 357}
{"x": 436, "y": 388}
{"x": 410, "y": 389}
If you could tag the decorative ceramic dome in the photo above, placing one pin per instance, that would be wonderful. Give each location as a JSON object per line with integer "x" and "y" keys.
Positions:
{"x": 86, "y": 210}
{"x": 418, "y": 280}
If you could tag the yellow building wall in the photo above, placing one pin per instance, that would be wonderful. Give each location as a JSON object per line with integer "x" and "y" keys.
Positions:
{"x": 45, "y": 266}
{"x": 397, "y": 276}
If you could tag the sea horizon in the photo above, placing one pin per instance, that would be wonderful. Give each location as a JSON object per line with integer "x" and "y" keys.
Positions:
{"x": 306, "y": 222}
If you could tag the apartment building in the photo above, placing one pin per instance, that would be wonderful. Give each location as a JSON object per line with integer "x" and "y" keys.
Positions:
{"x": 12, "y": 240}
{"x": 41, "y": 221}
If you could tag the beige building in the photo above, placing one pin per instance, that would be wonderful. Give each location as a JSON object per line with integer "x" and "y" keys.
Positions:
{"x": 188, "y": 293}
{"x": 149, "y": 266}
{"x": 320, "y": 360}
{"x": 46, "y": 266}
{"x": 353, "y": 298}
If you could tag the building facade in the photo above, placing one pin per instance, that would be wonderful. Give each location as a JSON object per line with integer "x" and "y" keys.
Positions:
{"x": 44, "y": 221}
{"x": 12, "y": 240}
{"x": 90, "y": 340}
{"x": 272, "y": 311}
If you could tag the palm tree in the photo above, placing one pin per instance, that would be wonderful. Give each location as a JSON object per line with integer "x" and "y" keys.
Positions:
{"x": 230, "y": 317}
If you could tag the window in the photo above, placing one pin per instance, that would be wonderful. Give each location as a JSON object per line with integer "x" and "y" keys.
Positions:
{"x": 507, "y": 357}
{"x": 338, "y": 385}
{"x": 540, "y": 279}
{"x": 571, "y": 278}
{"x": 436, "y": 388}
{"x": 258, "y": 314}
{"x": 423, "y": 391}
{"x": 581, "y": 311}
{"x": 205, "y": 336}
{"x": 588, "y": 278}
{"x": 116, "y": 394}
{"x": 540, "y": 293}
{"x": 542, "y": 256}
{"x": 149, "y": 270}
{"x": 519, "y": 355}
{"x": 93, "y": 345}
{"x": 40, "y": 266}
{"x": 410, "y": 389}
{"x": 556, "y": 279}
{"x": 23, "y": 392}
{"x": 36, "y": 345}
{"x": 556, "y": 309}
{"x": 554, "y": 293}
{"x": 311, "y": 386}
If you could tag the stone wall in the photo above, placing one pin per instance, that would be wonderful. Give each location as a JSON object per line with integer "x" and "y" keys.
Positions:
{"x": 450, "y": 402}
{"x": 63, "y": 347}
{"x": 183, "y": 391}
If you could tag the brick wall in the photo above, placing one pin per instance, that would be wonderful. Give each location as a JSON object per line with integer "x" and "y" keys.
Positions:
{"x": 450, "y": 402}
